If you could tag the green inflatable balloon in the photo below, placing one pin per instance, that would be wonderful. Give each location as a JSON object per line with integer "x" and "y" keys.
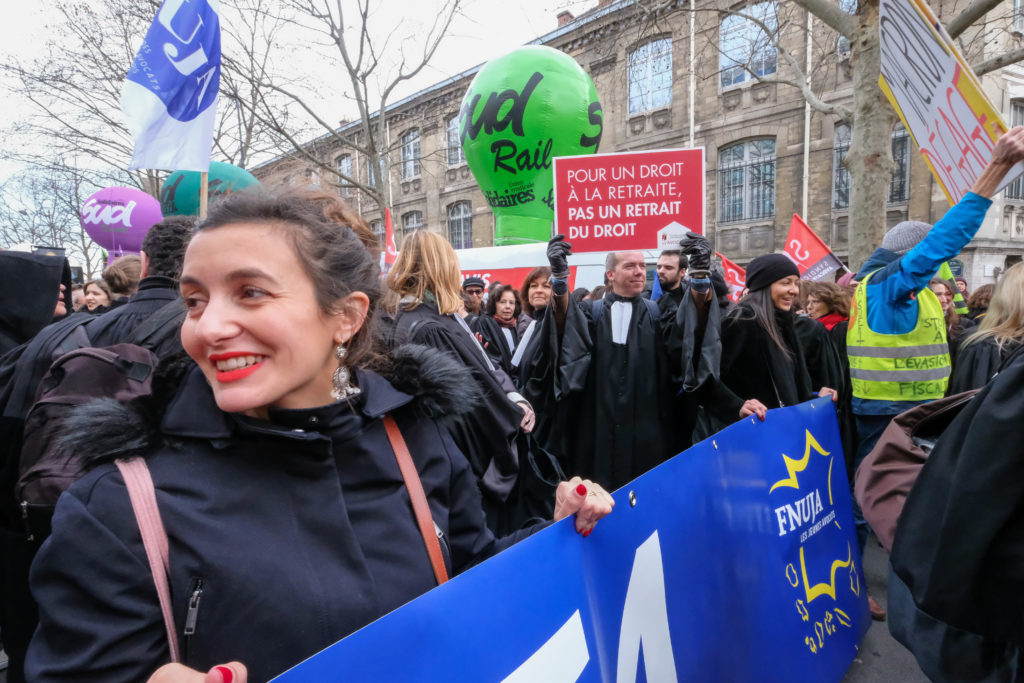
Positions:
{"x": 521, "y": 111}
{"x": 179, "y": 195}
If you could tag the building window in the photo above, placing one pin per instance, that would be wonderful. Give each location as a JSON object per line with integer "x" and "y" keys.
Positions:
{"x": 840, "y": 174}
{"x": 411, "y": 154}
{"x": 746, "y": 181}
{"x": 343, "y": 166}
{"x": 1018, "y": 15}
{"x": 456, "y": 157}
{"x": 460, "y": 225}
{"x": 899, "y": 186}
{"x": 745, "y": 50}
{"x": 377, "y": 228}
{"x": 411, "y": 222}
{"x": 371, "y": 174}
{"x": 1015, "y": 190}
{"x": 650, "y": 76}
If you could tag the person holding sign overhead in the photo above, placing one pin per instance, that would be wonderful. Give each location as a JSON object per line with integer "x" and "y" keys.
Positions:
{"x": 896, "y": 340}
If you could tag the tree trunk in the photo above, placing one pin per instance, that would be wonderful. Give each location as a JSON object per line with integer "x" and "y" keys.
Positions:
{"x": 869, "y": 160}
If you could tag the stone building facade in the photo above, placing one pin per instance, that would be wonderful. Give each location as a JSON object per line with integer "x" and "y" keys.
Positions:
{"x": 671, "y": 80}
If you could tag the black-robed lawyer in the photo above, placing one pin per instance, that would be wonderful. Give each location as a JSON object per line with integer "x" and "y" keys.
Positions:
{"x": 692, "y": 326}
{"x": 600, "y": 375}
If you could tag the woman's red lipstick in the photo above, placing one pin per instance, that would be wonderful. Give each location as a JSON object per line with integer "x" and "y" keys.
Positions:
{"x": 238, "y": 373}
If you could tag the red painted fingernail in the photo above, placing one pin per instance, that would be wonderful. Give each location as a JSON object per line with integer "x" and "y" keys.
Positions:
{"x": 581, "y": 490}
{"x": 587, "y": 532}
{"x": 226, "y": 673}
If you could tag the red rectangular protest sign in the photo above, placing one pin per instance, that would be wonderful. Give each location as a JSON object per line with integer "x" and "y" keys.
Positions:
{"x": 812, "y": 256}
{"x": 735, "y": 277}
{"x": 632, "y": 200}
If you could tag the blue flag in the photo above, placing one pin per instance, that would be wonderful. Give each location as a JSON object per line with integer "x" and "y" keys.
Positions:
{"x": 655, "y": 289}
{"x": 170, "y": 93}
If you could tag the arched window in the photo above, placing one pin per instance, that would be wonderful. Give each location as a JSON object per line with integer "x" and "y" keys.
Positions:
{"x": 746, "y": 181}
{"x": 899, "y": 186}
{"x": 410, "y": 154}
{"x": 650, "y": 76}
{"x": 840, "y": 174}
{"x": 743, "y": 46}
{"x": 411, "y": 222}
{"x": 460, "y": 225}
{"x": 456, "y": 157}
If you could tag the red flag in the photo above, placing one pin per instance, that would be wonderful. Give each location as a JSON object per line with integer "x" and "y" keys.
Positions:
{"x": 735, "y": 277}
{"x": 812, "y": 256}
{"x": 390, "y": 251}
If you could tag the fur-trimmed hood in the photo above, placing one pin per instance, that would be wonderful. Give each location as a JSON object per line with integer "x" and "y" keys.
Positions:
{"x": 433, "y": 384}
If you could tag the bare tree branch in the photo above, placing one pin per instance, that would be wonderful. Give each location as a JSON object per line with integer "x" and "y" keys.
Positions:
{"x": 999, "y": 62}
{"x": 975, "y": 11}
{"x": 832, "y": 15}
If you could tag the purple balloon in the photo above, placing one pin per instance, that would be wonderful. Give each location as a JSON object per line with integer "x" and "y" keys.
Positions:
{"x": 118, "y": 218}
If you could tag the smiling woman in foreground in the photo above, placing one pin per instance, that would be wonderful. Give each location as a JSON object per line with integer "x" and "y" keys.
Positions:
{"x": 289, "y": 522}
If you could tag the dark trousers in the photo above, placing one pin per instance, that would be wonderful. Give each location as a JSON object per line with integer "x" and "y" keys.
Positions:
{"x": 869, "y": 429}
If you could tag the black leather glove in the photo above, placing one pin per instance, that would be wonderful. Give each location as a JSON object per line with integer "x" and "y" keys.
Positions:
{"x": 698, "y": 250}
{"x": 558, "y": 257}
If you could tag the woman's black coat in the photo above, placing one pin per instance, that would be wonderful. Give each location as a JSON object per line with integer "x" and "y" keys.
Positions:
{"x": 753, "y": 366}
{"x": 496, "y": 344}
{"x": 293, "y": 533}
{"x": 978, "y": 363}
{"x": 486, "y": 432}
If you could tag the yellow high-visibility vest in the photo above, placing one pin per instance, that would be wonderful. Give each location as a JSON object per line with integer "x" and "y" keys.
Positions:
{"x": 898, "y": 367}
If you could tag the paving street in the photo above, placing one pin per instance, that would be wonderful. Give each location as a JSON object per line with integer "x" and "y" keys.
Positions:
{"x": 882, "y": 659}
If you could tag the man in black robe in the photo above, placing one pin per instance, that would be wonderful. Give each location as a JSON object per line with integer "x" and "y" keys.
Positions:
{"x": 600, "y": 375}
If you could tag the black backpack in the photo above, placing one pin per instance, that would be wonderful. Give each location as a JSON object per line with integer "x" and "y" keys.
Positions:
{"x": 46, "y": 469}
{"x": 22, "y": 373}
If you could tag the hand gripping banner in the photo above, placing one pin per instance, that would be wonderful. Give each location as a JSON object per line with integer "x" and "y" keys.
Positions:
{"x": 734, "y": 561}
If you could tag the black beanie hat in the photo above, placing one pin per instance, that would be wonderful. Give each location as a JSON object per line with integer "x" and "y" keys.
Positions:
{"x": 764, "y": 270}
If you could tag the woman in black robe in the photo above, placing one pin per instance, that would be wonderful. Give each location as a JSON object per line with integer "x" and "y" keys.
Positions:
{"x": 426, "y": 277}
{"x": 999, "y": 335}
{"x": 497, "y": 329}
{"x": 763, "y": 364}
{"x": 534, "y": 297}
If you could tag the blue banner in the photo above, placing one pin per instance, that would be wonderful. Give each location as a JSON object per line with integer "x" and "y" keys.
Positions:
{"x": 734, "y": 561}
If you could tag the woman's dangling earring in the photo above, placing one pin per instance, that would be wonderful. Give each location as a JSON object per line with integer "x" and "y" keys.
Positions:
{"x": 342, "y": 378}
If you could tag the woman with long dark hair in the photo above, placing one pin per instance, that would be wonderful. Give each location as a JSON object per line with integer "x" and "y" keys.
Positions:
{"x": 763, "y": 363}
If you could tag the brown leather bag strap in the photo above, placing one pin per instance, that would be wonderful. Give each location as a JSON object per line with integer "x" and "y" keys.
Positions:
{"x": 420, "y": 508}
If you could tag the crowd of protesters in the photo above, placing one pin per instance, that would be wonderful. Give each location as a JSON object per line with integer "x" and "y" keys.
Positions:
{"x": 305, "y": 404}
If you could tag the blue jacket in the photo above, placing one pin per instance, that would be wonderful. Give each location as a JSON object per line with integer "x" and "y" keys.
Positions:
{"x": 895, "y": 281}
{"x": 293, "y": 533}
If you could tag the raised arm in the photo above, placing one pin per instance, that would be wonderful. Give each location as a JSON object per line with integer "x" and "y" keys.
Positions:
{"x": 558, "y": 258}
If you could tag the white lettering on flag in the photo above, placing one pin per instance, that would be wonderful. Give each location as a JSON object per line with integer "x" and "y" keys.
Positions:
{"x": 645, "y": 619}
{"x": 562, "y": 658}
{"x": 169, "y": 96}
